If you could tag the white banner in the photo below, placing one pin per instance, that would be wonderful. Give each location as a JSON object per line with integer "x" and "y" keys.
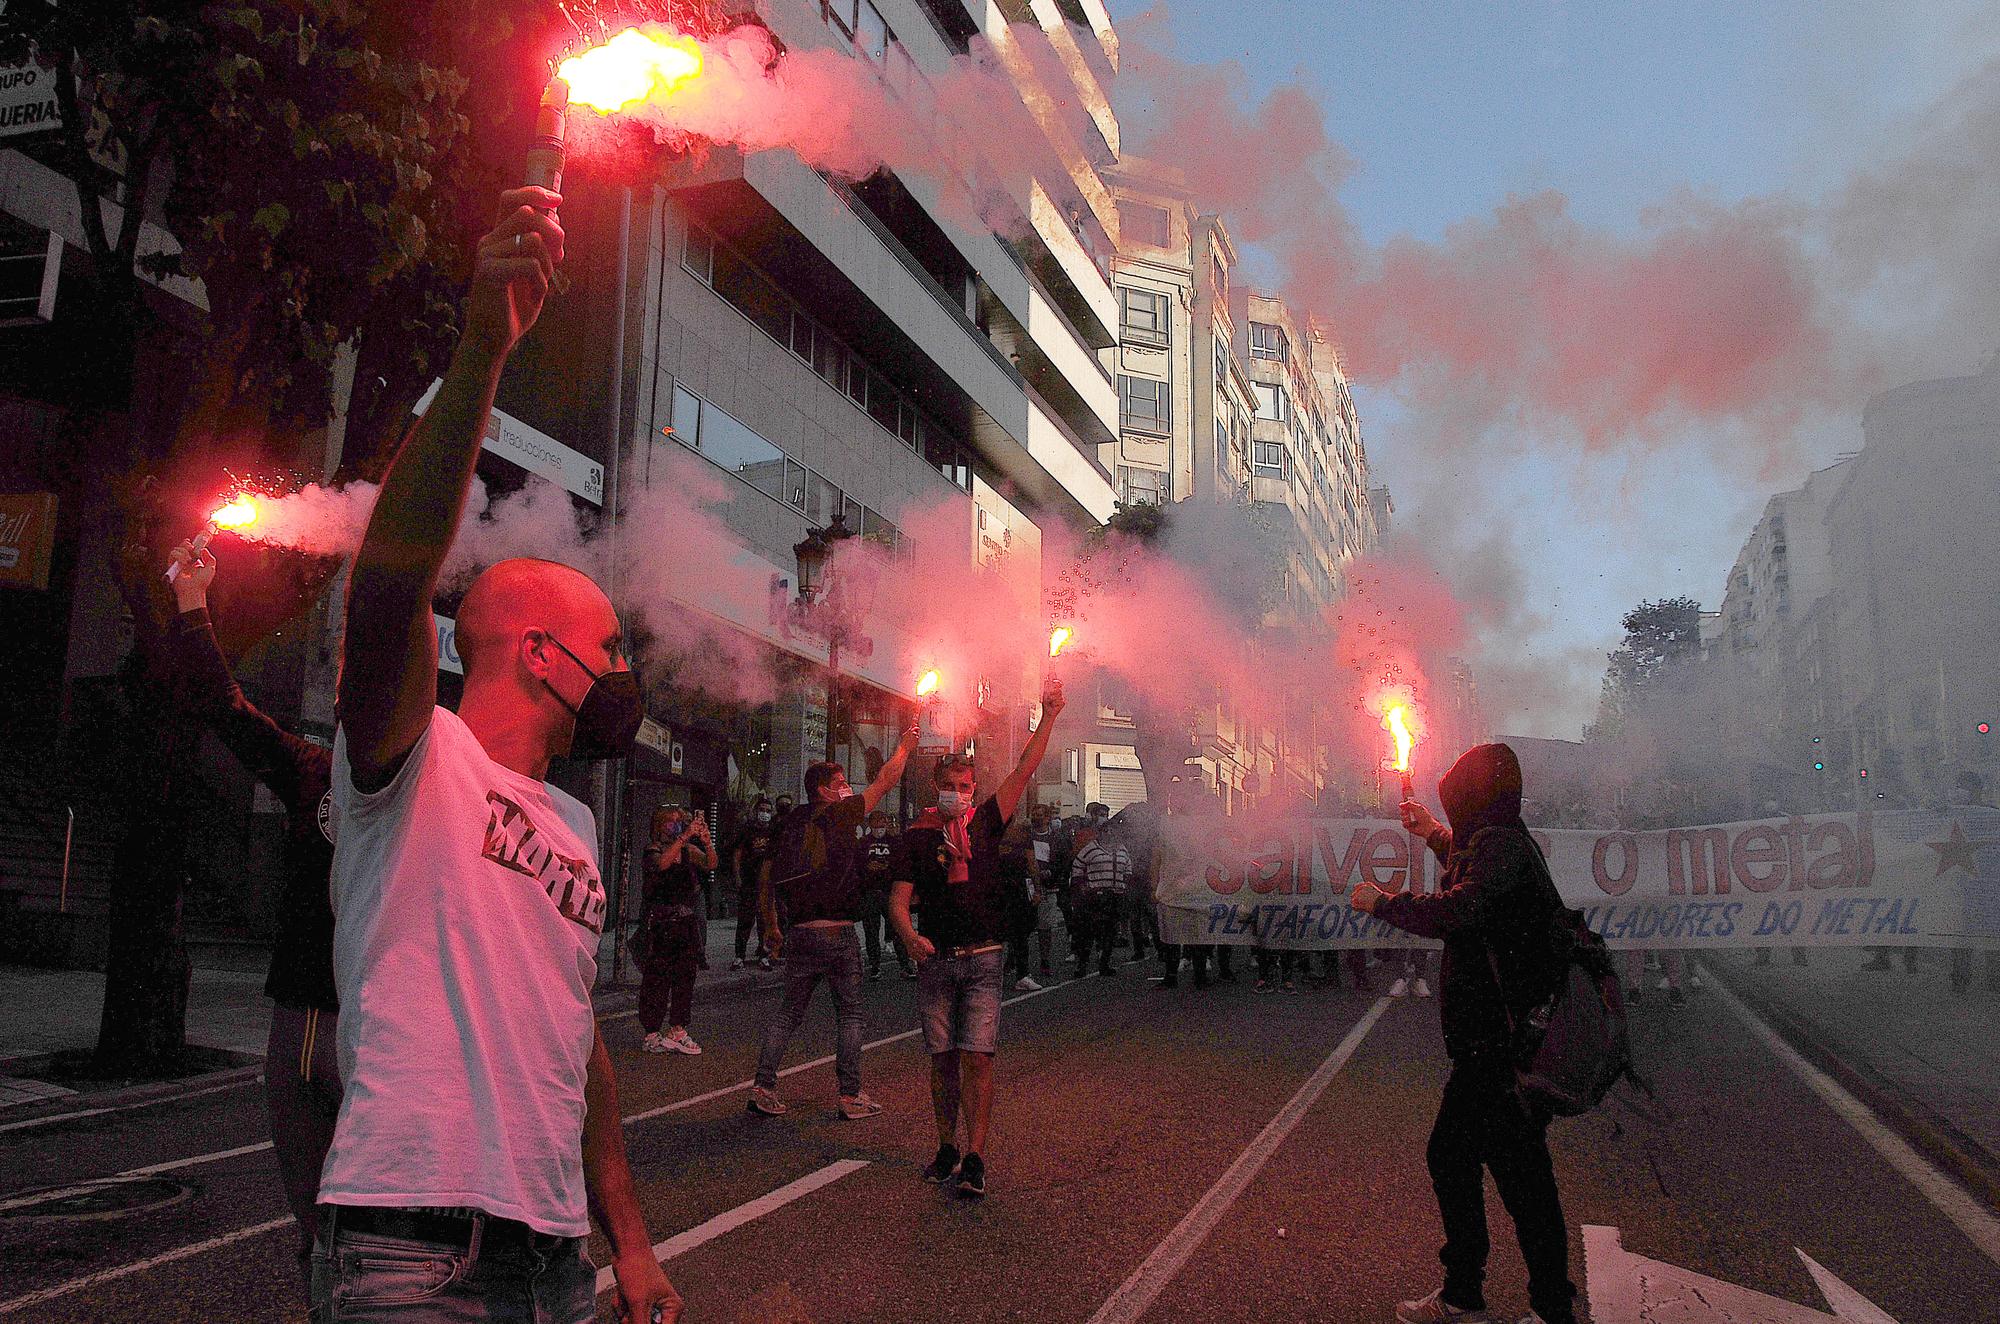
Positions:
{"x": 1918, "y": 878}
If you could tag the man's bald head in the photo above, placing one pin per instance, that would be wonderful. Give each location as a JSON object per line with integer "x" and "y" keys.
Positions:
{"x": 510, "y": 598}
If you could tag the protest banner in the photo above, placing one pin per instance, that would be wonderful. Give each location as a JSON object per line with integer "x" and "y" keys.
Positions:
{"x": 1916, "y": 878}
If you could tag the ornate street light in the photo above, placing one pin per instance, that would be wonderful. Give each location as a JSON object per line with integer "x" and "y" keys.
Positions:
{"x": 822, "y": 612}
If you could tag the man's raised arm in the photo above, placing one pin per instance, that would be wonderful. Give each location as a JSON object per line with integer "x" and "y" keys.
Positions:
{"x": 1008, "y": 797}
{"x": 388, "y": 670}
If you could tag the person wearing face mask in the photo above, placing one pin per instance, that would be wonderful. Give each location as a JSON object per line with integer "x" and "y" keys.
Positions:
{"x": 950, "y": 865}
{"x": 815, "y": 870}
{"x": 479, "y": 1128}
{"x": 674, "y": 928}
{"x": 747, "y": 855}
{"x": 1049, "y": 845}
{"x": 878, "y": 853}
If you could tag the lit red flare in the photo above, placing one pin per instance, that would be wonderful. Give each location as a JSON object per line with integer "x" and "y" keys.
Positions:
{"x": 237, "y": 513}
{"x": 240, "y": 512}
{"x": 1059, "y": 639}
{"x": 633, "y": 66}
{"x": 1396, "y": 722}
{"x": 928, "y": 683}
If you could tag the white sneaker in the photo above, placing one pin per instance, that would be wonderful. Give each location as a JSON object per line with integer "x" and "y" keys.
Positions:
{"x": 1433, "y": 1310}
{"x": 1694, "y": 977}
{"x": 1026, "y": 985}
{"x": 1423, "y": 987}
{"x": 680, "y": 1041}
{"x": 1397, "y": 990}
{"x": 656, "y": 1043}
{"x": 1662, "y": 985}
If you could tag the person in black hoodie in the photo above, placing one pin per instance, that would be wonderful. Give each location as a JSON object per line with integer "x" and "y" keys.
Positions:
{"x": 301, "y": 1077}
{"x": 1494, "y": 905}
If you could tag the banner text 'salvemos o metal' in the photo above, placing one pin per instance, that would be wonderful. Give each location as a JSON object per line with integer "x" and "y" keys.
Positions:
{"x": 1915, "y": 878}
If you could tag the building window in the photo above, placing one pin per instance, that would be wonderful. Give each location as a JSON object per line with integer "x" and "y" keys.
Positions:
{"x": 1141, "y": 487}
{"x": 1073, "y": 765}
{"x": 840, "y": 13}
{"x": 1139, "y": 223}
{"x": 1145, "y": 405}
{"x": 1143, "y": 317}
{"x": 733, "y": 445}
{"x": 1267, "y": 458}
{"x": 759, "y": 299}
{"x": 1268, "y": 342}
{"x": 871, "y": 33}
{"x": 1270, "y": 401}
{"x": 698, "y": 254}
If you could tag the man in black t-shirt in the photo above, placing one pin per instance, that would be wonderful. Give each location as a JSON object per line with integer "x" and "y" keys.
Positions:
{"x": 951, "y": 865}
{"x": 747, "y": 854}
{"x": 815, "y": 870}
{"x": 301, "y": 1077}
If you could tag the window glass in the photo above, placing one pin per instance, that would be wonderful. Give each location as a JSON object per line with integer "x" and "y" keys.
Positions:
{"x": 802, "y": 335}
{"x": 871, "y": 33}
{"x": 1268, "y": 342}
{"x": 1270, "y": 401}
{"x": 1144, "y": 405}
{"x": 1140, "y": 223}
{"x": 698, "y": 255}
{"x": 1143, "y": 316}
{"x": 686, "y": 420}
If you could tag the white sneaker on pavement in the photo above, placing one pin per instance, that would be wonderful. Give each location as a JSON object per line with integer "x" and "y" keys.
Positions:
{"x": 1397, "y": 990}
{"x": 1432, "y": 1309}
{"x": 854, "y": 1107}
{"x": 1423, "y": 987}
{"x": 1026, "y": 985}
{"x": 656, "y": 1043}
{"x": 680, "y": 1041}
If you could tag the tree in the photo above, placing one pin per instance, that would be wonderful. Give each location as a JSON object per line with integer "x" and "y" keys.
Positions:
{"x": 1661, "y": 639}
{"x": 316, "y": 166}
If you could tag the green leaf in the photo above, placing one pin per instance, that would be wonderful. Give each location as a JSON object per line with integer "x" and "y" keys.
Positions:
{"x": 272, "y": 218}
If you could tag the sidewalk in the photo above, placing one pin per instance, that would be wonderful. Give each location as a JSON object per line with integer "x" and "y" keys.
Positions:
{"x": 1923, "y": 1057}
{"x": 51, "y": 1011}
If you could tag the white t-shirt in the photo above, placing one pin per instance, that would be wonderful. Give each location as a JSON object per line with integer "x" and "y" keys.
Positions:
{"x": 467, "y": 907}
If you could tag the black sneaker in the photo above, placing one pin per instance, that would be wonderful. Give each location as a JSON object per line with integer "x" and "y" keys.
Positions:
{"x": 944, "y": 1167}
{"x": 972, "y": 1176}
{"x": 1107, "y": 970}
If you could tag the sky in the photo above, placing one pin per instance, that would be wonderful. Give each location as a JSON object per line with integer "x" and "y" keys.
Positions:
{"x": 1448, "y": 111}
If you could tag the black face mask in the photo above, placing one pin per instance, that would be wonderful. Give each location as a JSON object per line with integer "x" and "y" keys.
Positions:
{"x": 607, "y": 721}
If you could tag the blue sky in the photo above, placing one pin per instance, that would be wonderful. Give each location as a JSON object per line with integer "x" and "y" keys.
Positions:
{"x": 1448, "y": 109}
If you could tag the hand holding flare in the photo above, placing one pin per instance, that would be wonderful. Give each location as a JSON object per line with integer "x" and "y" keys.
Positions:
{"x": 240, "y": 512}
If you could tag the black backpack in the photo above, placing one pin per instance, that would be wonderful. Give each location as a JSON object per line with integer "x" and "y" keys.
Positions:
{"x": 798, "y": 851}
{"x": 1574, "y": 1044}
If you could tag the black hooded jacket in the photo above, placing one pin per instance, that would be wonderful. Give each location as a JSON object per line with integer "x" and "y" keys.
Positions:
{"x": 1494, "y": 895}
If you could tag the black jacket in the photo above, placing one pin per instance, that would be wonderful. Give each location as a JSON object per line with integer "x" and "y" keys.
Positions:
{"x": 300, "y": 774}
{"x": 1494, "y": 896}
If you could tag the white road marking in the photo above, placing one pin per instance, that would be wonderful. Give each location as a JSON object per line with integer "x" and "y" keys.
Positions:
{"x": 1138, "y": 1292}
{"x": 20, "y": 1303}
{"x": 240, "y": 1234}
{"x": 1970, "y": 1217}
{"x": 53, "y": 1118}
{"x": 729, "y": 1221}
{"x": 130, "y": 1174}
{"x": 1630, "y": 1289}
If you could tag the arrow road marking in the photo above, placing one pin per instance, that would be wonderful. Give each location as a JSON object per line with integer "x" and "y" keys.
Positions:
{"x": 1631, "y": 1289}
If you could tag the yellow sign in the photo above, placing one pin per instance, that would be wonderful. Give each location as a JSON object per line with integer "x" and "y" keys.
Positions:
{"x": 27, "y": 538}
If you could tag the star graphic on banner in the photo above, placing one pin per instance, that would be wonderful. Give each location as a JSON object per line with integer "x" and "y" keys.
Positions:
{"x": 1958, "y": 853}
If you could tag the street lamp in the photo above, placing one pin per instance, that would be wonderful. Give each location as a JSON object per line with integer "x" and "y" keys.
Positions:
{"x": 823, "y": 612}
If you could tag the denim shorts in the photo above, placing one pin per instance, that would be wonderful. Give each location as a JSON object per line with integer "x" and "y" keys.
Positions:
{"x": 958, "y": 1000}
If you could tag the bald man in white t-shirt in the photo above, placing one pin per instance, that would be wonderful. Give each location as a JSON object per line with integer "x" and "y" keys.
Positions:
{"x": 479, "y": 1128}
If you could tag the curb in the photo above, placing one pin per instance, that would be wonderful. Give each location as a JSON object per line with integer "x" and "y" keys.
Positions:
{"x": 1957, "y": 1154}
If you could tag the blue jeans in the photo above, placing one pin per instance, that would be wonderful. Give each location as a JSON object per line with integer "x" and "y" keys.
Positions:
{"x": 832, "y": 954}
{"x": 363, "y": 1278}
{"x": 958, "y": 1001}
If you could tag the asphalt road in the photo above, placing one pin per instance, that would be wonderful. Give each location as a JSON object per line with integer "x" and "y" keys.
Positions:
{"x": 1157, "y": 1154}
